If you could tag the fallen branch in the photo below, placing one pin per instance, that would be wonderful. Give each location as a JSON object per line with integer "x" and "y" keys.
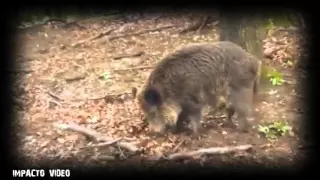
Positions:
{"x": 100, "y": 35}
{"x": 140, "y": 32}
{"x": 95, "y": 136}
{"x": 208, "y": 151}
{"x": 139, "y": 53}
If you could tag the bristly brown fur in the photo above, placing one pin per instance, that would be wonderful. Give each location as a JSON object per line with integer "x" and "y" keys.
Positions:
{"x": 197, "y": 75}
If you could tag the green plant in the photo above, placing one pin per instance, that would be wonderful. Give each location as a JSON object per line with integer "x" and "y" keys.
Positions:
{"x": 270, "y": 24}
{"x": 107, "y": 76}
{"x": 275, "y": 129}
{"x": 275, "y": 78}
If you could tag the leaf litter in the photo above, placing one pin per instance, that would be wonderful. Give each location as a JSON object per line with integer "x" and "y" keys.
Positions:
{"x": 117, "y": 119}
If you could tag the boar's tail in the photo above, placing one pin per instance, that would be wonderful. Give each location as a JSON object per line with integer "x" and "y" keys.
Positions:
{"x": 153, "y": 96}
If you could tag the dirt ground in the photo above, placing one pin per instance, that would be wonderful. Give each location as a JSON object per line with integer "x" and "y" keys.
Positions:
{"x": 64, "y": 76}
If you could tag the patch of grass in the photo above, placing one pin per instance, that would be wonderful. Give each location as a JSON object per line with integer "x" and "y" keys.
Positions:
{"x": 275, "y": 129}
{"x": 275, "y": 78}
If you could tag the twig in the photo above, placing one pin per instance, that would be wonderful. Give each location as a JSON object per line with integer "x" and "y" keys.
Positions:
{"x": 134, "y": 68}
{"x": 203, "y": 23}
{"x": 208, "y": 151}
{"x": 139, "y": 32}
{"x": 108, "y": 96}
{"x": 56, "y": 97}
{"x": 107, "y": 32}
{"x": 140, "y": 53}
{"x": 75, "y": 78}
{"x": 96, "y": 136}
{"x": 215, "y": 23}
{"x": 122, "y": 154}
{"x": 175, "y": 148}
{"x": 54, "y": 102}
{"x": 108, "y": 143}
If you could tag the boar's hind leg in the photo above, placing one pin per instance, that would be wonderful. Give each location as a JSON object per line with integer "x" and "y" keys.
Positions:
{"x": 230, "y": 112}
{"x": 241, "y": 100}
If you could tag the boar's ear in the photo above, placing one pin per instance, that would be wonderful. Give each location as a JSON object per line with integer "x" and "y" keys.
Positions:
{"x": 153, "y": 96}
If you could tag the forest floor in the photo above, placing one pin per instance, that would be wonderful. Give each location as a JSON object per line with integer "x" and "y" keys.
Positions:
{"x": 68, "y": 78}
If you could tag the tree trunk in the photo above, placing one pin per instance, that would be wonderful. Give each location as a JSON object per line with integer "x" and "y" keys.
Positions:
{"x": 248, "y": 31}
{"x": 244, "y": 30}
